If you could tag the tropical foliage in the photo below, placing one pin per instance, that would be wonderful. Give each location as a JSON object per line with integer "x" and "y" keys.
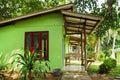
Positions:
{"x": 85, "y": 6}
{"x": 31, "y": 66}
{"x": 107, "y": 33}
{"x": 5, "y": 61}
{"x": 13, "y": 8}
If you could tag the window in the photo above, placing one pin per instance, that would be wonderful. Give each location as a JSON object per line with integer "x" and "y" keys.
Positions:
{"x": 37, "y": 42}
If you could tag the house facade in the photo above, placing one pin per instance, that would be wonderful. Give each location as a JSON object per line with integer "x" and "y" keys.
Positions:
{"x": 42, "y": 31}
{"x": 12, "y": 37}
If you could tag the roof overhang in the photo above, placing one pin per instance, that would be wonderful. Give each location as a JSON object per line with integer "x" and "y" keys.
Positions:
{"x": 10, "y": 21}
{"x": 75, "y": 23}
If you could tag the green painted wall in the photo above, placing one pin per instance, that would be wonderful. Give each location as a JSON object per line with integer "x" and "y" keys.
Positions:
{"x": 12, "y": 36}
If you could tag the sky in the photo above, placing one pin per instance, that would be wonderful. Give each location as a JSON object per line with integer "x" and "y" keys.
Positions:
{"x": 119, "y": 2}
{"x": 100, "y": 2}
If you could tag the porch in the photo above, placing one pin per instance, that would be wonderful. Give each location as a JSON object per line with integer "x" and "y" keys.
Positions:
{"x": 77, "y": 27}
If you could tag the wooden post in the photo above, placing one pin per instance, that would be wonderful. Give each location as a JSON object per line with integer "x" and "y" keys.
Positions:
{"x": 84, "y": 32}
{"x": 82, "y": 50}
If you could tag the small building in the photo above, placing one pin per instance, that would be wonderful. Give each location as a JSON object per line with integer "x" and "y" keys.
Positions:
{"x": 44, "y": 32}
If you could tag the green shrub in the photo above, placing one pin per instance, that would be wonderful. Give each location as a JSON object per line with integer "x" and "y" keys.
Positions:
{"x": 110, "y": 62}
{"x": 103, "y": 68}
{"x": 107, "y": 65}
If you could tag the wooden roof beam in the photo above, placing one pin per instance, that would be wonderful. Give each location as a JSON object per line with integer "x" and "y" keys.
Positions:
{"x": 65, "y": 15}
{"x": 71, "y": 23}
{"x": 75, "y": 38}
{"x": 69, "y": 33}
{"x": 78, "y": 27}
{"x": 96, "y": 26}
{"x": 82, "y": 16}
{"x": 77, "y": 31}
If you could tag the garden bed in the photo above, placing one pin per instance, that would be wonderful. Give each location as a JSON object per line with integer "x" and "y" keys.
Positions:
{"x": 6, "y": 75}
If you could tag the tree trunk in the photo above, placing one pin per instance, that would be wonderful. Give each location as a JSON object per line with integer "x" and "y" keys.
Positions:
{"x": 109, "y": 35}
{"x": 98, "y": 51}
{"x": 114, "y": 38}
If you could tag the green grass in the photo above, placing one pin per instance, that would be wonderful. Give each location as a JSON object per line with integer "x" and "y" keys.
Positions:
{"x": 75, "y": 64}
{"x": 115, "y": 71}
{"x": 93, "y": 69}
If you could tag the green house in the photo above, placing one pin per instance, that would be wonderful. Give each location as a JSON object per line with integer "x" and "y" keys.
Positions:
{"x": 45, "y": 31}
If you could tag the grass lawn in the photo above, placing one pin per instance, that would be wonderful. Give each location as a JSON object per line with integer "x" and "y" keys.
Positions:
{"x": 93, "y": 69}
{"x": 115, "y": 71}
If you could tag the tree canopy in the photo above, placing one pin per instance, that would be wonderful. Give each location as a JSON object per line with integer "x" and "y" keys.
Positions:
{"x": 108, "y": 30}
{"x": 85, "y": 6}
{"x": 13, "y": 8}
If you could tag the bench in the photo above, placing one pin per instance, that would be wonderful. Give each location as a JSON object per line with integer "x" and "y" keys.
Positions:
{"x": 69, "y": 55}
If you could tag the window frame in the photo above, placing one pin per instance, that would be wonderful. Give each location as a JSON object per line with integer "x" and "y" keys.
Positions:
{"x": 46, "y": 56}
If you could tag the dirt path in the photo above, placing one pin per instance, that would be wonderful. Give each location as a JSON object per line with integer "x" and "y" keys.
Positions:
{"x": 96, "y": 76}
{"x": 75, "y": 76}
{"x": 85, "y": 76}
